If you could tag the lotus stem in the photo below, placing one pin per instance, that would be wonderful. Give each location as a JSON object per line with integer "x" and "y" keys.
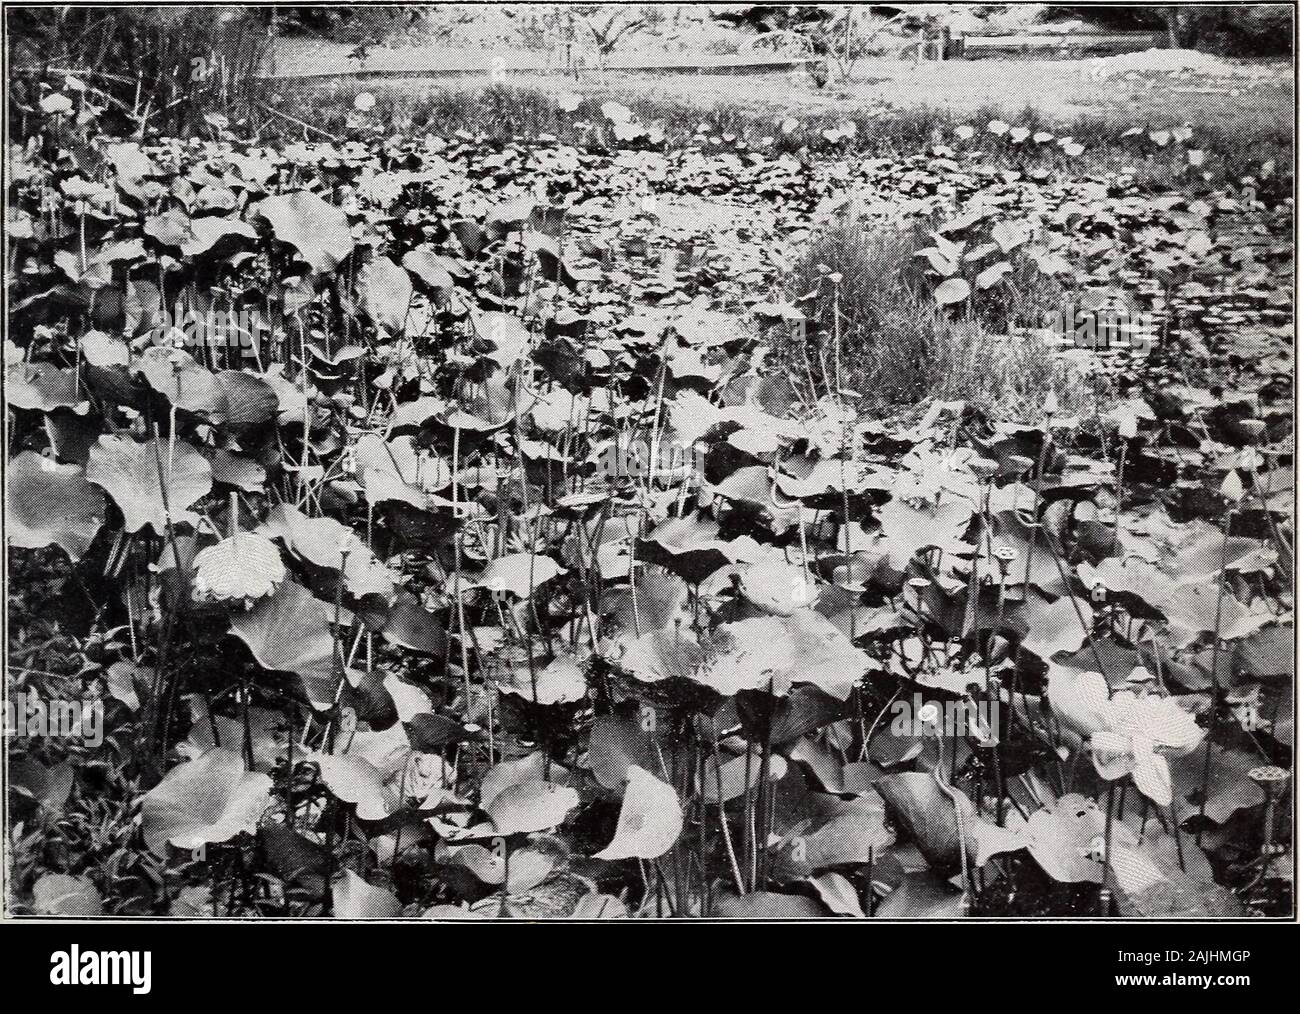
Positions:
{"x": 1038, "y": 497}
{"x": 1119, "y": 484}
{"x": 1214, "y": 675}
{"x": 456, "y": 547}
{"x": 968, "y": 893}
{"x": 1103, "y": 896}
{"x": 835, "y": 314}
{"x": 1087, "y": 630}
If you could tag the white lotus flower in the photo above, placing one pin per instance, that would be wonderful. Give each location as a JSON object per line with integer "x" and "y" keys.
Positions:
{"x": 56, "y": 104}
{"x": 1140, "y": 732}
{"x": 245, "y": 566}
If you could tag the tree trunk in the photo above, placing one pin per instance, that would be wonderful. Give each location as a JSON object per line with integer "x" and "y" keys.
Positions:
{"x": 1171, "y": 24}
{"x": 1184, "y": 25}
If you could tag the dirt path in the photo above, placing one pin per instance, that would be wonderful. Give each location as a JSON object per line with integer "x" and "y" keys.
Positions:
{"x": 1056, "y": 88}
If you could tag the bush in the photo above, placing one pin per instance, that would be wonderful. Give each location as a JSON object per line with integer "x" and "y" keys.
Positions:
{"x": 1251, "y": 30}
{"x": 1238, "y": 29}
{"x": 1235, "y": 29}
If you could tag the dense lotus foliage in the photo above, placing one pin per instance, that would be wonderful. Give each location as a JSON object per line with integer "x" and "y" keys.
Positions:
{"x": 447, "y": 539}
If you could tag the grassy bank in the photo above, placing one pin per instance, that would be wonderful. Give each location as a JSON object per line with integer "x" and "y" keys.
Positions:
{"x": 1239, "y": 129}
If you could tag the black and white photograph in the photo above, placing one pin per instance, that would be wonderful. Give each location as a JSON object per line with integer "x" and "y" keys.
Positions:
{"x": 535, "y": 463}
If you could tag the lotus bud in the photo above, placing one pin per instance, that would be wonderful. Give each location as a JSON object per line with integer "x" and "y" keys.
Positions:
{"x": 1232, "y": 489}
{"x": 1141, "y": 674}
{"x": 1253, "y": 428}
{"x": 1128, "y": 426}
{"x": 1018, "y": 464}
{"x": 985, "y": 735}
{"x": 1050, "y": 407}
{"x": 998, "y": 648}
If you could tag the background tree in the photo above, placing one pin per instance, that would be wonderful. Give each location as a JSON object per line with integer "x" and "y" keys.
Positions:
{"x": 1237, "y": 29}
{"x": 609, "y": 24}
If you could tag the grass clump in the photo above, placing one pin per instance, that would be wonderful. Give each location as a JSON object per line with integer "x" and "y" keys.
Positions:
{"x": 898, "y": 347}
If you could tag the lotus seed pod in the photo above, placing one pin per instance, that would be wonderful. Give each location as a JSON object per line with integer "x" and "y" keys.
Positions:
{"x": 1268, "y": 777}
